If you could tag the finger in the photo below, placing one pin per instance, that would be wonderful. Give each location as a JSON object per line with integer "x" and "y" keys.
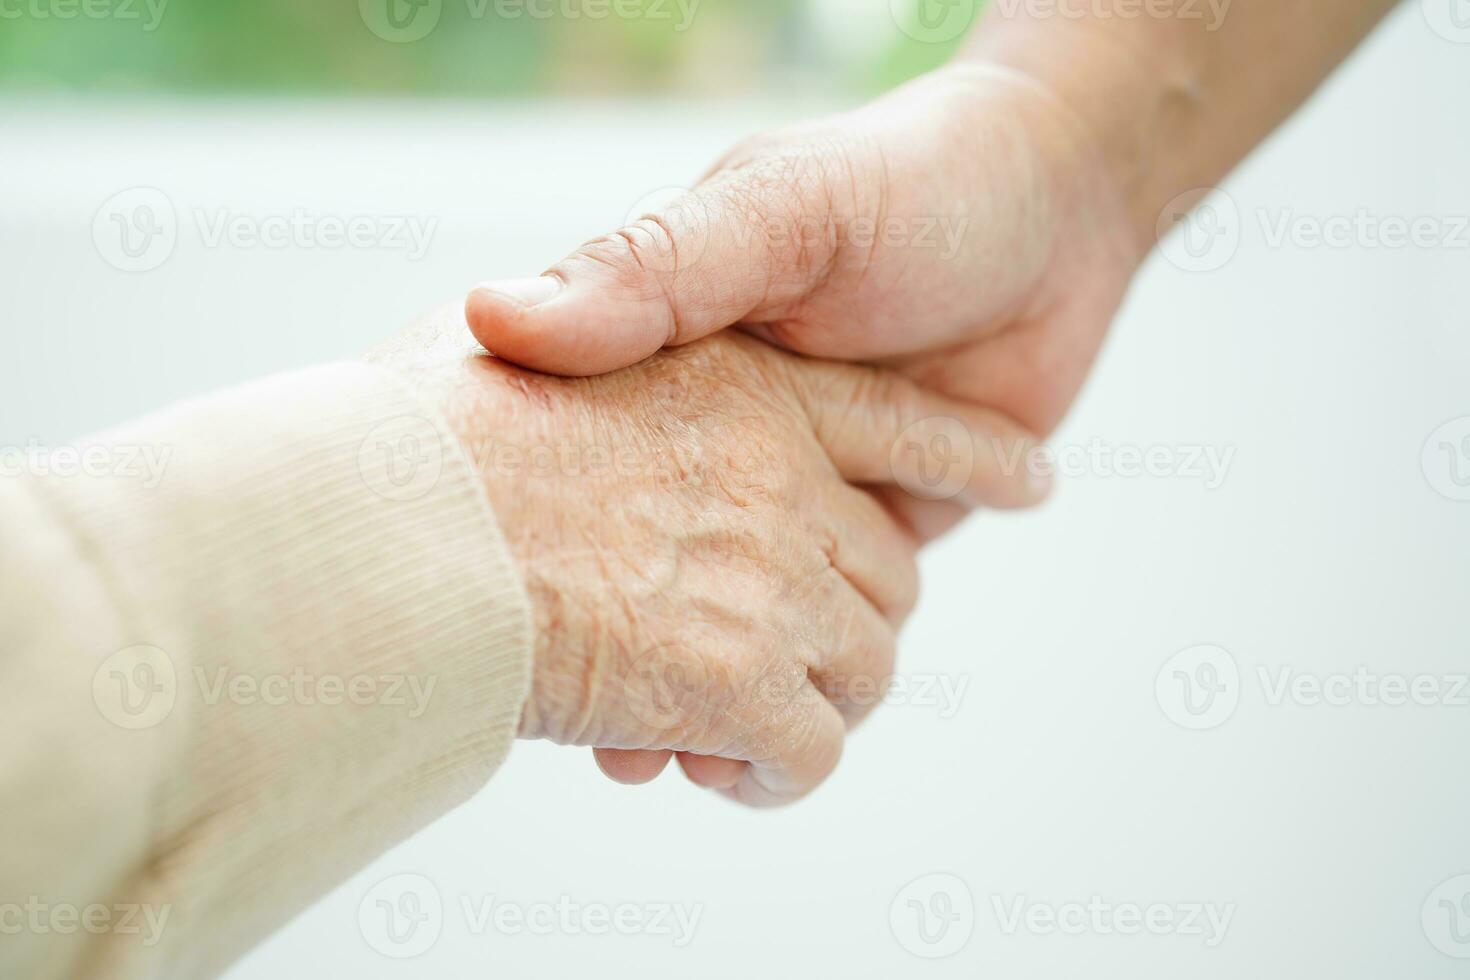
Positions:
{"x": 853, "y": 651}
{"x": 632, "y": 767}
{"x": 925, "y": 521}
{"x": 710, "y": 771}
{"x": 715, "y": 256}
{"x": 881, "y": 428}
{"x": 870, "y": 549}
{"x": 792, "y": 748}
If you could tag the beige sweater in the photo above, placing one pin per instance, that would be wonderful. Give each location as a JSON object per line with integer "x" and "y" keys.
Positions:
{"x": 223, "y": 694}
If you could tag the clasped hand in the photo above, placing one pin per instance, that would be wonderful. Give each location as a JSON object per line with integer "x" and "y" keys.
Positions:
{"x": 715, "y": 570}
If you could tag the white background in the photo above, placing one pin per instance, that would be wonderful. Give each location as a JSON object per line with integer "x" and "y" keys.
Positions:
{"x": 1061, "y": 777}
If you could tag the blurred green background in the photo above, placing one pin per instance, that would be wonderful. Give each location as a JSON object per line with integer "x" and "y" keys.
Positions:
{"x": 476, "y": 48}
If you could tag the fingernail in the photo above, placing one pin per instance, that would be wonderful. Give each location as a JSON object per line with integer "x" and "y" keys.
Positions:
{"x": 524, "y": 292}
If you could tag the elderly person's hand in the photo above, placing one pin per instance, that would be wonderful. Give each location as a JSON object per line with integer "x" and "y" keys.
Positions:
{"x": 708, "y": 575}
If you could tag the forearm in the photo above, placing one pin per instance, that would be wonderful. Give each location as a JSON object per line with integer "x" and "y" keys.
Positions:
{"x": 1177, "y": 93}
{"x": 230, "y": 682}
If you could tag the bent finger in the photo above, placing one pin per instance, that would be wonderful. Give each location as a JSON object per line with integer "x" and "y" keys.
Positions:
{"x": 632, "y": 767}
{"x": 792, "y": 748}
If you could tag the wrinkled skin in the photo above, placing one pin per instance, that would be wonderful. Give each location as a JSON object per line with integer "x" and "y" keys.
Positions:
{"x": 706, "y": 576}
{"x": 1007, "y": 312}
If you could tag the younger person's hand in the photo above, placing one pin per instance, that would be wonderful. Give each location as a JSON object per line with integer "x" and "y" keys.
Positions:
{"x": 962, "y": 230}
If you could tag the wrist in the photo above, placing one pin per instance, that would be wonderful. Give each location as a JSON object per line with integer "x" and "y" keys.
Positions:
{"x": 494, "y": 414}
{"x": 508, "y": 425}
{"x": 1131, "y": 97}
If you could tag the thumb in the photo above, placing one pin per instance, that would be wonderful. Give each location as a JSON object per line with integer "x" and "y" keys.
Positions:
{"x": 713, "y": 257}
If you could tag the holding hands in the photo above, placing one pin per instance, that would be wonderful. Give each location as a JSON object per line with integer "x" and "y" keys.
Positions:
{"x": 709, "y": 571}
{"x": 972, "y": 233}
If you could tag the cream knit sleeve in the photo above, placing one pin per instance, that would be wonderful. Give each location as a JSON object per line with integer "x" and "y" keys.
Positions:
{"x": 245, "y": 646}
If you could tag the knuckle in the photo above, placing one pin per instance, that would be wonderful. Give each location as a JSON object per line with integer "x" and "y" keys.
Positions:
{"x": 866, "y": 404}
{"x": 632, "y": 255}
{"x": 891, "y": 397}
{"x": 864, "y": 680}
{"x": 652, "y": 243}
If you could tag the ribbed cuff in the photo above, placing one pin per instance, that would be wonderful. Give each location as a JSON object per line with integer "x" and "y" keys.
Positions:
{"x": 326, "y": 629}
